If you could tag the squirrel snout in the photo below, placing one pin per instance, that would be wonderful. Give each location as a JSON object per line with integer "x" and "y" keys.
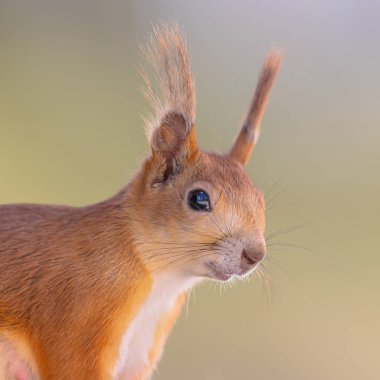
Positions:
{"x": 253, "y": 255}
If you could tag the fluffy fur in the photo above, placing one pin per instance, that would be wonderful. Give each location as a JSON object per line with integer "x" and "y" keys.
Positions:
{"x": 168, "y": 59}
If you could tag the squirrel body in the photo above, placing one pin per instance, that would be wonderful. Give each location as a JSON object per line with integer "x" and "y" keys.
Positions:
{"x": 92, "y": 292}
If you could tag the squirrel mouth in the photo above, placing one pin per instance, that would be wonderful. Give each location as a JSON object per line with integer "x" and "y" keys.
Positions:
{"x": 220, "y": 275}
{"x": 217, "y": 274}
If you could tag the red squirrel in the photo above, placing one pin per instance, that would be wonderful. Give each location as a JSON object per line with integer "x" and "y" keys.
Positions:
{"x": 92, "y": 292}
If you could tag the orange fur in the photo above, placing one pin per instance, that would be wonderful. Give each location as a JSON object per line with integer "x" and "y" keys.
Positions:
{"x": 250, "y": 131}
{"x": 75, "y": 282}
{"x": 67, "y": 264}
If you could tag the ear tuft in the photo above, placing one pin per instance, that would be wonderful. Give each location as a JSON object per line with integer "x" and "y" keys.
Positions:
{"x": 171, "y": 131}
{"x": 249, "y": 133}
{"x": 172, "y": 90}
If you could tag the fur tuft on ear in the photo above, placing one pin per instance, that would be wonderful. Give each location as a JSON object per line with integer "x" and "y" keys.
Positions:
{"x": 172, "y": 92}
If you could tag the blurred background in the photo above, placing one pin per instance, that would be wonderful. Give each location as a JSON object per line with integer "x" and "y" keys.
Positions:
{"x": 71, "y": 132}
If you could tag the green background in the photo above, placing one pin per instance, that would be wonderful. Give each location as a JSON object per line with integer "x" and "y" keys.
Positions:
{"x": 71, "y": 132}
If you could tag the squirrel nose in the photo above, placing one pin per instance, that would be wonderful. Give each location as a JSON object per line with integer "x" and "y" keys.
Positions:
{"x": 253, "y": 255}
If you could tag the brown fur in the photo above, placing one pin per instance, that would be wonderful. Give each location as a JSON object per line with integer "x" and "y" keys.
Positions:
{"x": 250, "y": 131}
{"x": 57, "y": 263}
{"x": 73, "y": 279}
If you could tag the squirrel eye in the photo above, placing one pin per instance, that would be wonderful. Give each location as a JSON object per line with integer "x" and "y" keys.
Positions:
{"x": 199, "y": 200}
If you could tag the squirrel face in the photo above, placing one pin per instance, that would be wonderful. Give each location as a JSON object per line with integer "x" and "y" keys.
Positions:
{"x": 209, "y": 217}
{"x": 201, "y": 213}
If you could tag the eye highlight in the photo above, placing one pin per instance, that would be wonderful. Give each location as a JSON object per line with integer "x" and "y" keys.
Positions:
{"x": 199, "y": 200}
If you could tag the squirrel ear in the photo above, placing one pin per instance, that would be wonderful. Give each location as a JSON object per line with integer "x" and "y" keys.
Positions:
{"x": 173, "y": 143}
{"x": 169, "y": 136}
{"x": 250, "y": 130}
{"x": 172, "y": 95}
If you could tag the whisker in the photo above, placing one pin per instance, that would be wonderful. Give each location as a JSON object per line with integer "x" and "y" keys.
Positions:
{"x": 280, "y": 193}
{"x": 171, "y": 249}
{"x": 202, "y": 234}
{"x": 220, "y": 194}
{"x": 266, "y": 193}
{"x": 213, "y": 220}
{"x": 290, "y": 245}
{"x": 184, "y": 260}
{"x": 277, "y": 263}
{"x": 188, "y": 301}
{"x": 263, "y": 282}
{"x": 279, "y": 205}
{"x": 174, "y": 243}
{"x": 165, "y": 257}
{"x": 286, "y": 230}
{"x": 270, "y": 275}
{"x": 187, "y": 229}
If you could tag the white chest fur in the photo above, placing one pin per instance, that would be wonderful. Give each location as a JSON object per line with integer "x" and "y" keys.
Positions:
{"x": 137, "y": 340}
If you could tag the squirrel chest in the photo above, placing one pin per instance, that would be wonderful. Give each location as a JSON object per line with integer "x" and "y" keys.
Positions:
{"x": 142, "y": 342}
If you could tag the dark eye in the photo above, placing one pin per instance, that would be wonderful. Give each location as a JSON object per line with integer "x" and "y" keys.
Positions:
{"x": 199, "y": 200}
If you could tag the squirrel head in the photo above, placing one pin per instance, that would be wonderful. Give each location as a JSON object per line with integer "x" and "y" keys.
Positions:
{"x": 200, "y": 212}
